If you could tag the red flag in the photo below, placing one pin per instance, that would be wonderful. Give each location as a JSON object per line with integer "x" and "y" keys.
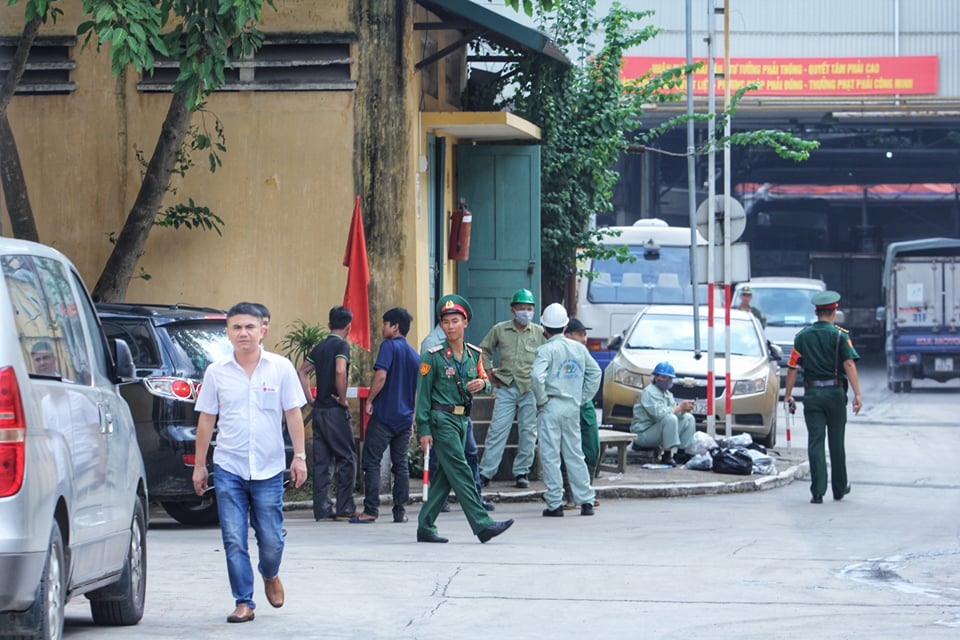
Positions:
{"x": 356, "y": 297}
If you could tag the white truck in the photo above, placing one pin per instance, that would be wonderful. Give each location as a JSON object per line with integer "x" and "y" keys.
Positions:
{"x": 921, "y": 280}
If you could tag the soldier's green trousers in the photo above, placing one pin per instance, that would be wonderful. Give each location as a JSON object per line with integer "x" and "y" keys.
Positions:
{"x": 825, "y": 411}
{"x": 449, "y": 435}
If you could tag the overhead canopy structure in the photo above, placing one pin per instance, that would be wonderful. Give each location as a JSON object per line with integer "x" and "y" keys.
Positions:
{"x": 477, "y": 22}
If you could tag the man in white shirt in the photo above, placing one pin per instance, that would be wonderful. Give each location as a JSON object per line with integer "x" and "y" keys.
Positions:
{"x": 251, "y": 391}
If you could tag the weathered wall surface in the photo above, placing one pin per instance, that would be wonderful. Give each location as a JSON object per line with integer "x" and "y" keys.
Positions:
{"x": 285, "y": 190}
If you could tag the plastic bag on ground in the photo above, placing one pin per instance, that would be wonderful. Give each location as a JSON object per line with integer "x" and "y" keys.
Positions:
{"x": 763, "y": 464}
{"x": 700, "y": 462}
{"x": 739, "y": 440}
{"x": 735, "y": 461}
{"x": 702, "y": 443}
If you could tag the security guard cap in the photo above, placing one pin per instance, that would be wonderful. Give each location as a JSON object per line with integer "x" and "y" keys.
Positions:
{"x": 452, "y": 303}
{"x": 745, "y": 290}
{"x": 826, "y": 300}
{"x": 523, "y": 296}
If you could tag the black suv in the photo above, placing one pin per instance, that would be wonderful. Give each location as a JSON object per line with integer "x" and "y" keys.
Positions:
{"x": 171, "y": 347}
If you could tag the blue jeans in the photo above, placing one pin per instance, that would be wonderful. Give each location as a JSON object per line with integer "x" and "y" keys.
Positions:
{"x": 262, "y": 502}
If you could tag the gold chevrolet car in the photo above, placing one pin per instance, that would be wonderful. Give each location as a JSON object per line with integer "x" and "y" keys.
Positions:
{"x": 665, "y": 333}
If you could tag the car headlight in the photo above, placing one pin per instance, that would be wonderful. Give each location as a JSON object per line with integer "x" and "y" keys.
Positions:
{"x": 747, "y": 387}
{"x": 628, "y": 378}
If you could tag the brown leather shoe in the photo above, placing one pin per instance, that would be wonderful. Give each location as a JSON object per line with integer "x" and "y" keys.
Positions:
{"x": 274, "y": 589}
{"x": 243, "y": 613}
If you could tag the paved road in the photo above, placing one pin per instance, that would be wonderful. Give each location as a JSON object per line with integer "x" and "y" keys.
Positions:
{"x": 884, "y": 563}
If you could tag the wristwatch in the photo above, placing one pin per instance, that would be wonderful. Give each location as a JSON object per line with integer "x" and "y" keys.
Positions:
{"x": 302, "y": 455}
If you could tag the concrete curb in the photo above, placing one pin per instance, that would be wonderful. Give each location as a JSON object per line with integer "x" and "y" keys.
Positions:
{"x": 635, "y": 491}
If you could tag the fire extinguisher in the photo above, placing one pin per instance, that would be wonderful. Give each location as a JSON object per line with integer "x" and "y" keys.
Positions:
{"x": 458, "y": 247}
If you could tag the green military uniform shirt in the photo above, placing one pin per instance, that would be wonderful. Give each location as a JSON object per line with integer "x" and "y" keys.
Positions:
{"x": 516, "y": 350}
{"x": 822, "y": 347}
{"x": 443, "y": 379}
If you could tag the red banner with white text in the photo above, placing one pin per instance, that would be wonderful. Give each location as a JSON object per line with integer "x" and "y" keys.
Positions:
{"x": 886, "y": 75}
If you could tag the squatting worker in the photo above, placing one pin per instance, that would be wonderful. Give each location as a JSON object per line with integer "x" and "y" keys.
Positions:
{"x": 828, "y": 358}
{"x": 564, "y": 376}
{"x": 251, "y": 391}
{"x": 514, "y": 341}
{"x": 661, "y": 422}
{"x": 450, "y": 374}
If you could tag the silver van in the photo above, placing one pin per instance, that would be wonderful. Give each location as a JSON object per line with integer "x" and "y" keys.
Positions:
{"x": 72, "y": 485}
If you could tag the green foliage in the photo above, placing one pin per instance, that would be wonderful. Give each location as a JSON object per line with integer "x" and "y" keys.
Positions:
{"x": 202, "y": 36}
{"x": 528, "y": 5}
{"x": 190, "y": 216}
{"x": 586, "y": 115}
{"x": 302, "y": 337}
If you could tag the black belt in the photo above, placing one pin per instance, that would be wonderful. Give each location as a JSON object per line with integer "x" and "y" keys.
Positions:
{"x": 456, "y": 409}
{"x": 833, "y": 382}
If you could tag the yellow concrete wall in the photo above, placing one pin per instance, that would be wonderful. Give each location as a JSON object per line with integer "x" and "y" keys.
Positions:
{"x": 285, "y": 190}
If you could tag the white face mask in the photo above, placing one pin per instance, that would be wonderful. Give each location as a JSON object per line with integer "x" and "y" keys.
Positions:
{"x": 523, "y": 317}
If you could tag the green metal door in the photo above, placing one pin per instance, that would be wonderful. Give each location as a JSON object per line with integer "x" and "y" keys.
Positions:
{"x": 501, "y": 187}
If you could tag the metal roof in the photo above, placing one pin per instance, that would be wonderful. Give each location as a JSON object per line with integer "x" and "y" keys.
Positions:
{"x": 480, "y": 22}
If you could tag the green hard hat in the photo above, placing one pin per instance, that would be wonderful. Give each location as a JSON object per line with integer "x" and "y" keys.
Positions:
{"x": 523, "y": 296}
{"x": 452, "y": 303}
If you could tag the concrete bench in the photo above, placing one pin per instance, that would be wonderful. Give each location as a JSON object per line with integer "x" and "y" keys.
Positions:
{"x": 619, "y": 439}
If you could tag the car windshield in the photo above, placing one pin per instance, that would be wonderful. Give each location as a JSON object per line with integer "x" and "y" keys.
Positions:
{"x": 664, "y": 280}
{"x": 675, "y": 333}
{"x": 785, "y": 307}
{"x": 197, "y": 345}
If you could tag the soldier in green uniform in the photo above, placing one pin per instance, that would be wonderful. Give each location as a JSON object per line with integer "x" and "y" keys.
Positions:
{"x": 450, "y": 374}
{"x": 829, "y": 365}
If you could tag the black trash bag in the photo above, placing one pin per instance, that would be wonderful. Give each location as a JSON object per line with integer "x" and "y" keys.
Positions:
{"x": 735, "y": 461}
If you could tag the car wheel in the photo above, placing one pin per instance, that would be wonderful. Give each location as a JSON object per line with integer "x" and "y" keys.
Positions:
{"x": 121, "y": 604}
{"x": 194, "y": 513}
{"x": 770, "y": 440}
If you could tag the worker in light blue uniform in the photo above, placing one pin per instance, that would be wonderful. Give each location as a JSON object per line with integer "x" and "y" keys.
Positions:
{"x": 564, "y": 376}
{"x": 658, "y": 420}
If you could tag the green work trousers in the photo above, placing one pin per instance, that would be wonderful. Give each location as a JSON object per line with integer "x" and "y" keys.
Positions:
{"x": 825, "y": 411}
{"x": 449, "y": 435}
{"x": 589, "y": 434}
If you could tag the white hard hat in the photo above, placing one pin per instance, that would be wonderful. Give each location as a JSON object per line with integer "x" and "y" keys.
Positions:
{"x": 554, "y": 316}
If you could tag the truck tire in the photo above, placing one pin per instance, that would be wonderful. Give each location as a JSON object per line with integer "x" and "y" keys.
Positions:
{"x": 121, "y": 604}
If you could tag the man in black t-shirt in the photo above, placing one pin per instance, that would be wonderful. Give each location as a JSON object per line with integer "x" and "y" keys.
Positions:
{"x": 333, "y": 444}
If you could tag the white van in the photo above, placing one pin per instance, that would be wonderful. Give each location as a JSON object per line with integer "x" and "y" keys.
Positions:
{"x": 73, "y": 497}
{"x": 659, "y": 275}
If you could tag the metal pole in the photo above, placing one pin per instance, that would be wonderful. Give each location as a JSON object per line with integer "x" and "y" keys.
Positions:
{"x": 711, "y": 217}
{"x": 692, "y": 183}
{"x": 727, "y": 208}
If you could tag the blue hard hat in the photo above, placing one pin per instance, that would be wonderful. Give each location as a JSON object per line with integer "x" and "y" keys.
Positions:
{"x": 665, "y": 369}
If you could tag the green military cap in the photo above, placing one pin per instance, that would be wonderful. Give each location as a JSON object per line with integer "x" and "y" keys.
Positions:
{"x": 452, "y": 303}
{"x": 826, "y": 300}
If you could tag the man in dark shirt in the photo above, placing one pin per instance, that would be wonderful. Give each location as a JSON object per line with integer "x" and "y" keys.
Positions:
{"x": 390, "y": 406}
{"x": 333, "y": 443}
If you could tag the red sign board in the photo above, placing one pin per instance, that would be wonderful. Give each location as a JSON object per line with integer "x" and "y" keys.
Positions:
{"x": 905, "y": 75}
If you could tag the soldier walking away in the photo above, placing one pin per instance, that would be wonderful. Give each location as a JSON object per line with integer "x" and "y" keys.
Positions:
{"x": 828, "y": 358}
